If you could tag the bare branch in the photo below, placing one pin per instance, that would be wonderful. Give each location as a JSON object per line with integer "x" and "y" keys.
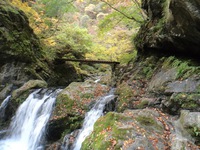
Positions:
{"x": 132, "y": 18}
{"x": 144, "y": 16}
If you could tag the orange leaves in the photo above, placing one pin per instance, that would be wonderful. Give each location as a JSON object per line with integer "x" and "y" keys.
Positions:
{"x": 98, "y": 90}
{"x": 127, "y": 143}
{"x": 113, "y": 142}
{"x": 108, "y": 129}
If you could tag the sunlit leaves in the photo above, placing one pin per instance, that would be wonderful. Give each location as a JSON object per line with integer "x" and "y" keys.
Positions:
{"x": 56, "y": 8}
{"x": 35, "y": 19}
{"x": 74, "y": 39}
{"x": 126, "y": 12}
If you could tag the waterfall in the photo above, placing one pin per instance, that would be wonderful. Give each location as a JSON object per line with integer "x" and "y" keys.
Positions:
{"x": 90, "y": 118}
{"x": 28, "y": 125}
{"x": 3, "y": 106}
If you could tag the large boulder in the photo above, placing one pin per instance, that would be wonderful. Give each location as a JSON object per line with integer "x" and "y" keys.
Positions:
{"x": 71, "y": 105}
{"x": 173, "y": 27}
{"x": 134, "y": 129}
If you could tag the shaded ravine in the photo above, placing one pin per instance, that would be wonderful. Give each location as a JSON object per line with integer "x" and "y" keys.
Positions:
{"x": 90, "y": 119}
{"x": 28, "y": 125}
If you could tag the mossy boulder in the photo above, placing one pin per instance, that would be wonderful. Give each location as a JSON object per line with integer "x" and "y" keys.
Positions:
{"x": 27, "y": 86}
{"x": 128, "y": 130}
{"x": 71, "y": 105}
{"x": 171, "y": 78}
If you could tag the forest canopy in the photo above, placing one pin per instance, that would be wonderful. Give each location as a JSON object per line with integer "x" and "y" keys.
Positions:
{"x": 93, "y": 29}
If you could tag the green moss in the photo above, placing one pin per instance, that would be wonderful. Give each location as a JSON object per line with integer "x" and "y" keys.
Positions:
{"x": 149, "y": 122}
{"x": 145, "y": 120}
{"x": 142, "y": 104}
{"x": 22, "y": 97}
{"x": 125, "y": 94}
{"x": 105, "y": 131}
{"x": 185, "y": 68}
{"x": 87, "y": 95}
{"x": 186, "y": 101}
{"x": 63, "y": 101}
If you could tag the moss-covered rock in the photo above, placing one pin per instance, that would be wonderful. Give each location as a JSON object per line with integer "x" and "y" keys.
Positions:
{"x": 128, "y": 130}
{"x": 16, "y": 37}
{"x": 71, "y": 105}
{"x": 125, "y": 95}
{"x": 27, "y": 86}
{"x": 173, "y": 86}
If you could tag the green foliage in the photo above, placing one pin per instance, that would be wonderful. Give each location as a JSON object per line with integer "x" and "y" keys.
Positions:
{"x": 116, "y": 45}
{"x": 184, "y": 68}
{"x": 127, "y": 57}
{"x": 185, "y": 100}
{"x": 56, "y": 8}
{"x": 74, "y": 40}
{"x": 115, "y": 19}
{"x": 196, "y": 131}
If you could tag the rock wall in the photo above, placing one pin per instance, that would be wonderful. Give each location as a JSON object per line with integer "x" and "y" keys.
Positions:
{"x": 172, "y": 27}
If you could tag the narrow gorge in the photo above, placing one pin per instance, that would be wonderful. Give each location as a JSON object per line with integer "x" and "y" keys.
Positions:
{"x": 150, "y": 101}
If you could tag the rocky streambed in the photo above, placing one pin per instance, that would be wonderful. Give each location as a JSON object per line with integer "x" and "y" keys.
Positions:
{"x": 156, "y": 108}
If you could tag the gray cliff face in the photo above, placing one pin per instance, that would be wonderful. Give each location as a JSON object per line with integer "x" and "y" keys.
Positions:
{"x": 172, "y": 27}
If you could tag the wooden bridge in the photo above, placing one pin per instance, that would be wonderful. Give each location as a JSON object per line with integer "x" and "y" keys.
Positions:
{"x": 112, "y": 63}
{"x": 91, "y": 61}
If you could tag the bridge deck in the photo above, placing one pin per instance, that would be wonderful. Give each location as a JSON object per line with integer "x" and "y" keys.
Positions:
{"x": 91, "y": 61}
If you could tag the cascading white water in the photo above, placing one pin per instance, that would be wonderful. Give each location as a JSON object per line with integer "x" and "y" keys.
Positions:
{"x": 28, "y": 125}
{"x": 90, "y": 118}
{"x": 3, "y": 106}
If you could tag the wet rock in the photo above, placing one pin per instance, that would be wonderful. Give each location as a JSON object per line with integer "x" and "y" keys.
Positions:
{"x": 71, "y": 105}
{"x": 27, "y": 86}
{"x": 110, "y": 106}
{"x": 5, "y": 92}
{"x": 68, "y": 140}
{"x": 14, "y": 73}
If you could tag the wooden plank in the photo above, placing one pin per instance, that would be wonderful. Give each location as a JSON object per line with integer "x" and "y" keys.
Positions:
{"x": 90, "y": 61}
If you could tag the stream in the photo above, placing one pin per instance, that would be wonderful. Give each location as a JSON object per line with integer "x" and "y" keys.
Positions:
{"x": 91, "y": 117}
{"x": 28, "y": 125}
{"x": 3, "y": 106}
